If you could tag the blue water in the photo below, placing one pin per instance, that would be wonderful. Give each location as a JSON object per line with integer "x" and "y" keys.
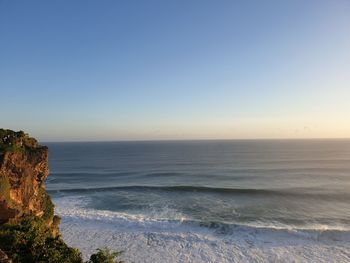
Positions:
{"x": 302, "y": 184}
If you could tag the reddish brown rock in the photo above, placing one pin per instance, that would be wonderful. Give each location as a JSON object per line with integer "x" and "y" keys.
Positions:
{"x": 23, "y": 169}
{"x": 28, "y": 228}
{"x": 4, "y": 258}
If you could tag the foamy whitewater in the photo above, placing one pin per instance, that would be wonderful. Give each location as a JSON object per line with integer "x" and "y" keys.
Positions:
{"x": 206, "y": 201}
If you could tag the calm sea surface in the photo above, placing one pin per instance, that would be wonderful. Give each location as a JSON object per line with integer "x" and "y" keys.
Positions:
{"x": 287, "y": 184}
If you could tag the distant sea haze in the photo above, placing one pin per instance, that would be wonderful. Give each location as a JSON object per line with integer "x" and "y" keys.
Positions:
{"x": 206, "y": 201}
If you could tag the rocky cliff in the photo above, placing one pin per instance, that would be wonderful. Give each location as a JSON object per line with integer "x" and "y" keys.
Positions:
{"x": 28, "y": 227}
{"x": 23, "y": 169}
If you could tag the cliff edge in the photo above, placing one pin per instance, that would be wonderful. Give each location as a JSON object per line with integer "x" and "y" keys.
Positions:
{"x": 23, "y": 169}
{"x": 28, "y": 227}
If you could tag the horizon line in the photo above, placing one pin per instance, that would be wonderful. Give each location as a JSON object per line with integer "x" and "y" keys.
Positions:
{"x": 188, "y": 140}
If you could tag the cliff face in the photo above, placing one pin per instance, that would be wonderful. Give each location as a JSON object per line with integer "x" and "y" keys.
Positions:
{"x": 28, "y": 228}
{"x": 23, "y": 169}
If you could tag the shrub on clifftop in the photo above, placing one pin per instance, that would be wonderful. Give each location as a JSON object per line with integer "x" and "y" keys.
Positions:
{"x": 105, "y": 256}
{"x": 30, "y": 240}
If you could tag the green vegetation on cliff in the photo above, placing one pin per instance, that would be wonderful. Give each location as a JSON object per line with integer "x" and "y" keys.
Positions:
{"x": 105, "y": 256}
{"x": 12, "y": 141}
{"x": 48, "y": 206}
{"x": 29, "y": 229}
{"x": 30, "y": 240}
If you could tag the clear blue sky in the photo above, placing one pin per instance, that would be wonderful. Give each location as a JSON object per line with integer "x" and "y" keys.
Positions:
{"x": 182, "y": 69}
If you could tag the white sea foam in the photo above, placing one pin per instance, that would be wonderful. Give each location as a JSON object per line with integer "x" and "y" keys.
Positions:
{"x": 147, "y": 239}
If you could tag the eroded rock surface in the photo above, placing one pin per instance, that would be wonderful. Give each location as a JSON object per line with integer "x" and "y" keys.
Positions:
{"x": 23, "y": 169}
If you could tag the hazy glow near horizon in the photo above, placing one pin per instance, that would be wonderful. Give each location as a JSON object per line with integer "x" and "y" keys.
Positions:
{"x": 117, "y": 70}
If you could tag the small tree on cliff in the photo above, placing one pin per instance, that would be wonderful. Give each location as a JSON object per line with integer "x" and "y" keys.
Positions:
{"x": 105, "y": 256}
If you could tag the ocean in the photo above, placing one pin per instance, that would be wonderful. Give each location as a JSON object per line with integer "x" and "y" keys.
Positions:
{"x": 205, "y": 201}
